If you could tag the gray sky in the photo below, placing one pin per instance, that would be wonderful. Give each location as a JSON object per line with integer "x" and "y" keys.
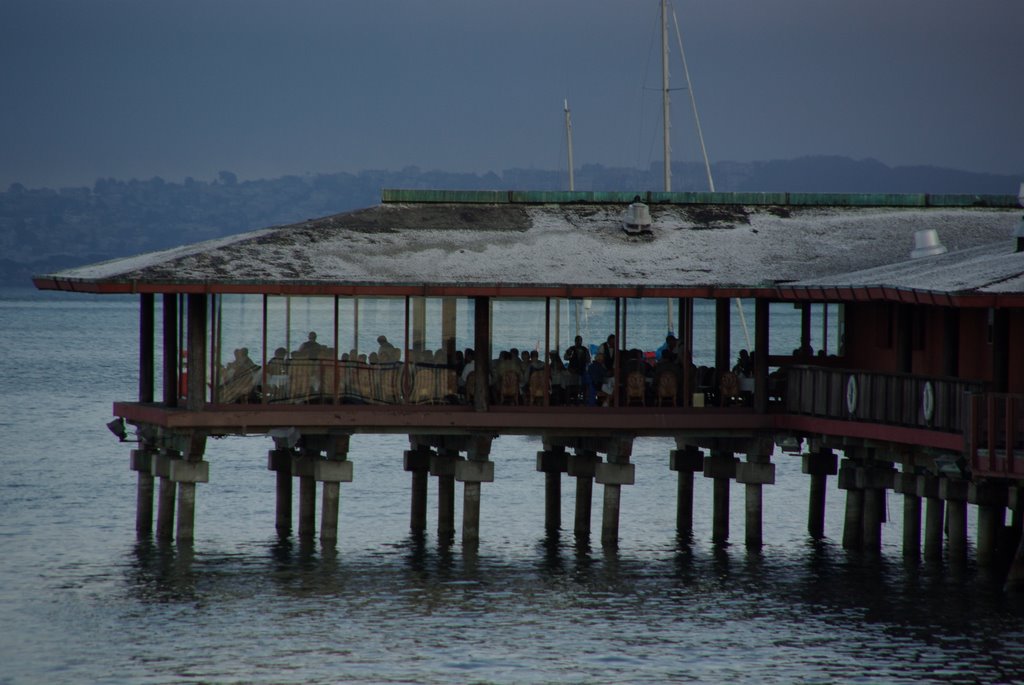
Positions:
{"x": 137, "y": 88}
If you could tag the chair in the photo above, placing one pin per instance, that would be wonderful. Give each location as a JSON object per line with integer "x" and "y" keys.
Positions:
{"x": 636, "y": 387}
{"x": 509, "y": 388}
{"x": 536, "y": 388}
{"x": 729, "y": 387}
{"x": 667, "y": 388}
{"x": 470, "y": 388}
{"x": 423, "y": 385}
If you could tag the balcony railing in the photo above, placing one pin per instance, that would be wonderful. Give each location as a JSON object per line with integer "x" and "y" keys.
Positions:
{"x": 996, "y": 441}
{"x": 906, "y": 400}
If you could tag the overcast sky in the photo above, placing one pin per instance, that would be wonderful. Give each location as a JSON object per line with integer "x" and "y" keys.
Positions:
{"x": 175, "y": 88}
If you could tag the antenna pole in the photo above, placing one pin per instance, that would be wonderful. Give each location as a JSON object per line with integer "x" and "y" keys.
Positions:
{"x": 665, "y": 98}
{"x": 568, "y": 137}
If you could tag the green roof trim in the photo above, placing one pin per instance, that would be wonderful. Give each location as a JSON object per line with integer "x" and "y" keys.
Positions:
{"x": 543, "y": 197}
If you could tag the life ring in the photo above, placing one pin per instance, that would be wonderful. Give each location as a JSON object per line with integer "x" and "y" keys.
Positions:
{"x": 928, "y": 401}
{"x": 851, "y": 395}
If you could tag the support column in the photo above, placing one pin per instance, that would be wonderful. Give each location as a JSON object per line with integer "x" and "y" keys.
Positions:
{"x": 582, "y": 467}
{"x": 142, "y": 464}
{"x": 874, "y": 480}
{"x": 755, "y": 473}
{"x": 1015, "y": 577}
{"x": 166, "y": 495}
{"x": 471, "y": 473}
{"x": 934, "y": 515}
{"x": 819, "y": 464}
{"x": 954, "y": 492}
{"x": 302, "y": 467}
{"x": 417, "y": 462}
{"x": 723, "y": 338}
{"x": 990, "y": 499}
{"x": 721, "y": 466}
{"x": 186, "y": 473}
{"x": 552, "y": 463}
{"x": 332, "y": 473}
{"x": 280, "y": 461}
{"x": 685, "y": 462}
{"x": 853, "y": 522}
{"x": 905, "y": 483}
{"x": 442, "y": 465}
{"x": 482, "y": 351}
{"x": 612, "y": 476}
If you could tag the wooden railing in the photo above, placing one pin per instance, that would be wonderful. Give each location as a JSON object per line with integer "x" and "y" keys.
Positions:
{"x": 933, "y": 403}
{"x": 996, "y": 439}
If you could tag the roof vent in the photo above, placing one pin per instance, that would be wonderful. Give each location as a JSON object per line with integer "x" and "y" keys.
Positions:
{"x": 637, "y": 218}
{"x": 927, "y": 244}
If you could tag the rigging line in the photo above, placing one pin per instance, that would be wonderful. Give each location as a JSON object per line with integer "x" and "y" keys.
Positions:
{"x": 643, "y": 103}
{"x": 693, "y": 102}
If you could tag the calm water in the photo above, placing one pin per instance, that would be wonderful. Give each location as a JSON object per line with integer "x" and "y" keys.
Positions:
{"x": 81, "y": 600}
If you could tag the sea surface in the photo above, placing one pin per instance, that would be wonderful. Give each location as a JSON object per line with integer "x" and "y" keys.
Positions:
{"x": 82, "y": 600}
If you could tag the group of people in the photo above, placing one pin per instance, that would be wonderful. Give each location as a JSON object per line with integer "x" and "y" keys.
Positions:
{"x": 581, "y": 375}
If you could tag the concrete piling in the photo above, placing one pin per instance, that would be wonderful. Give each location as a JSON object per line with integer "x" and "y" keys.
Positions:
{"x": 934, "y": 515}
{"x": 954, "y": 492}
{"x": 1015, "y": 577}
{"x": 442, "y": 466}
{"x": 853, "y": 520}
{"x": 471, "y": 473}
{"x": 721, "y": 467}
{"x": 186, "y": 473}
{"x": 756, "y": 472}
{"x": 905, "y": 483}
{"x": 819, "y": 464}
{"x": 874, "y": 480}
{"x": 280, "y": 462}
{"x": 991, "y": 500}
{"x": 612, "y": 476}
{"x": 552, "y": 463}
{"x": 581, "y": 466}
{"x": 417, "y": 462}
{"x": 302, "y": 467}
{"x": 685, "y": 461}
{"x": 331, "y": 473}
{"x": 142, "y": 463}
{"x": 166, "y": 496}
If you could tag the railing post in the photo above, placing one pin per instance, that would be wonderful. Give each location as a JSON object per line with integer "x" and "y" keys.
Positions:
{"x": 1010, "y": 430}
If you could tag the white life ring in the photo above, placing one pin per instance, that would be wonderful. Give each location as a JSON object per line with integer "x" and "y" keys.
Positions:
{"x": 928, "y": 401}
{"x": 851, "y": 394}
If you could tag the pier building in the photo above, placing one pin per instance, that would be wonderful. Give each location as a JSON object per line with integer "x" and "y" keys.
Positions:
{"x": 875, "y": 327}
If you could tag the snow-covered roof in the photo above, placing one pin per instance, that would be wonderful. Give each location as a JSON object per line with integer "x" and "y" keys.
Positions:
{"x": 466, "y": 245}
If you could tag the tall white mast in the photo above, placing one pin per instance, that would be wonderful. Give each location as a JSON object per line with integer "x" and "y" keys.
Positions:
{"x": 693, "y": 103}
{"x": 568, "y": 138}
{"x": 665, "y": 99}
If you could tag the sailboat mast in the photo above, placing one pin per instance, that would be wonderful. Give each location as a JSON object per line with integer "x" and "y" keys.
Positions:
{"x": 665, "y": 98}
{"x": 568, "y": 138}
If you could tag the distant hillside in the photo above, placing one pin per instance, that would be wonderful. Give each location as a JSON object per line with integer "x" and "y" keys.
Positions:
{"x": 44, "y": 230}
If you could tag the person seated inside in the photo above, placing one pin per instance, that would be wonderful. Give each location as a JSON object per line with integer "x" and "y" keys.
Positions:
{"x": 594, "y": 382}
{"x": 311, "y": 349}
{"x": 577, "y": 357}
{"x": 608, "y": 351}
{"x": 386, "y": 352}
{"x": 744, "y": 366}
{"x": 467, "y": 368}
{"x": 506, "y": 364}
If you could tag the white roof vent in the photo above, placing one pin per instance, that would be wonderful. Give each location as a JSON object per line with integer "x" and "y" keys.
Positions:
{"x": 637, "y": 218}
{"x": 927, "y": 244}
